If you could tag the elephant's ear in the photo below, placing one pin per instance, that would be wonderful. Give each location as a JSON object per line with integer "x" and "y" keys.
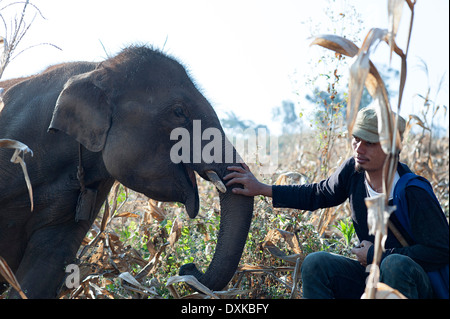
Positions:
{"x": 83, "y": 112}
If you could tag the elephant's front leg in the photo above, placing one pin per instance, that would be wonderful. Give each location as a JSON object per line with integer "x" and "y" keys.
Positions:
{"x": 49, "y": 251}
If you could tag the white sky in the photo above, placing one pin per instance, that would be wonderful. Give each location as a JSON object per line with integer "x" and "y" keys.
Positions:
{"x": 245, "y": 55}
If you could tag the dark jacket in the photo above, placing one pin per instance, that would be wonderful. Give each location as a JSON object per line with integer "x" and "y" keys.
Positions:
{"x": 429, "y": 225}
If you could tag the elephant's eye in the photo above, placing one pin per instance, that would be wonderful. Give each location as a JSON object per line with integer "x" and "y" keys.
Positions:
{"x": 180, "y": 111}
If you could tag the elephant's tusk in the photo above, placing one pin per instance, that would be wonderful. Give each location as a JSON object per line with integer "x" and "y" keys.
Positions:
{"x": 215, "y": 179}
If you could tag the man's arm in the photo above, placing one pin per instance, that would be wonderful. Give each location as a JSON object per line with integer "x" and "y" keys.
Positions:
{"x": 327, "y": 193}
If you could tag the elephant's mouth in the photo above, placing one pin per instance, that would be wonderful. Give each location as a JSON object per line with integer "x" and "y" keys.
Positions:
{"x": 192, "y": 201}
{"x": 190, "y": 174}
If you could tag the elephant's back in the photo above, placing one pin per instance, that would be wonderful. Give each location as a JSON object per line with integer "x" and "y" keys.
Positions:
{"x": 29, "y": 102}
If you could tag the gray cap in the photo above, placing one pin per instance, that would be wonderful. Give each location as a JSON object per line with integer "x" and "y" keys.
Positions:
{"x": 366, "y": 125}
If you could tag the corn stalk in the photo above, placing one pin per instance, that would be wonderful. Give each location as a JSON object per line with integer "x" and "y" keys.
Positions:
{"x": 20, "y": 148}
{"x": 7, "y": 273}
{"x": 364, "y": 73}
{"x": 14, "y": 34}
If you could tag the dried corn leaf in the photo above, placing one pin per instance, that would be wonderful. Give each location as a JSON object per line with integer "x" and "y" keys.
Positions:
{"x": 16, "y": 159}
{"x": 372, "y": 280}
{"x": 377, "y": 216}
{"x": 387, "y": 128}
{"x": 175, "y": 232}
{"x": 384, "y": 291}
{"x": 402, "y": 75}
{"x": 135, "y": 257}
{"x": 98, "y": 256}
{"x": 274, "y": 236}
{"x": 190, "y": 280}
{"x": 130, "y": 279}
{"x": 8, "y": 275}
{"x": 389, "y": 176}
{"x": 291, "y": 240}
{"x": 359, "y": 71}
{"x": 395, "y": 8}
{"x": 127, "y": 214}
{"x": 231, "y": 293}
{"x": 147, "y": 292}
{"x": 390, "y": 138}
{"x": 336, "y": 43}
{"x": 419, "y": 122}
{"x": 18, "y": 146}
{"x": 254, "y": 268}
{"x": 151, "y": 265}
{"x": 108, "y": 214}
{"x": 100, "y": 292}
{"x": 156, "y": 210}
{"x": 278, "y": 253}
{"x": 113, "y": 241}
{"x": 377, "y": 220}
{"x": 411, "y": 4}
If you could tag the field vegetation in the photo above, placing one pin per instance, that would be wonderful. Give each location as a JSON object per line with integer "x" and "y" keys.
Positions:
{"x": 137, "y": 245}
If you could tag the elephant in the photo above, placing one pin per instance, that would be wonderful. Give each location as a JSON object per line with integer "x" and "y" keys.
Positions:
{"x": 90, "y": 124}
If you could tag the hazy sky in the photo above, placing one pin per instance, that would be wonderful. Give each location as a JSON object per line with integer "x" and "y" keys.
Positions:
{"x": 247, "y": 56}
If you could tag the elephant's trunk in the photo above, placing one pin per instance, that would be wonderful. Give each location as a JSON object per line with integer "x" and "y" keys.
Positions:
{"x": 236, "y": 216}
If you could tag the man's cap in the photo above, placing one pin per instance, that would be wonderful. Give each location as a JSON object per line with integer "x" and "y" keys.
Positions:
{"x": 366, "y": 125}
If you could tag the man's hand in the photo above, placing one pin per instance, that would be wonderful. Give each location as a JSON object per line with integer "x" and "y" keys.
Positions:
{"x": 361, "y": 252}
{"x": 244, "y": 176}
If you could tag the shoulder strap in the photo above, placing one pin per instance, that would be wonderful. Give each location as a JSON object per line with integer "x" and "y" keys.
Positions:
{"x": 401, "y": 212}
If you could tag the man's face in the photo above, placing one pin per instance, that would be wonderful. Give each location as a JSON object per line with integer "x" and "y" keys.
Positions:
{"x": 368, "y": 156}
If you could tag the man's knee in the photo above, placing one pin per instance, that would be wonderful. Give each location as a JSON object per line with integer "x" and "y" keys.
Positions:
{"x": 314, "y": 261}
{"x": 399, "y": 268}
{"x": 404, "y": 274}
{"x": 395, "y": 264}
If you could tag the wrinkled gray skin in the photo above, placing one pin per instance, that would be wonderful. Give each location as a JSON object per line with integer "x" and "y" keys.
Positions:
{"x": 122, "y": 111}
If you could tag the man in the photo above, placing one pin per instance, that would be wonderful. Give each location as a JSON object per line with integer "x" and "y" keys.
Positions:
{"x": 327, "y": 275}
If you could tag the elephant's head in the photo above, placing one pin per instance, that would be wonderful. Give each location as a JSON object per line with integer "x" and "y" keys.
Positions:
{"x": 154, "y": 129}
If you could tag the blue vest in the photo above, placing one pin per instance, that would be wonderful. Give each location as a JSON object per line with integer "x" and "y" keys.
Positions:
{"x": 439, "y": 278}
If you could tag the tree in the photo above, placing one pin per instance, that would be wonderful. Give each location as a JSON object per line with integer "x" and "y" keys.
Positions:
{"x": 236, "y": 125}
{"x": 289, "y": 118}
{"x": 334, "y": 103}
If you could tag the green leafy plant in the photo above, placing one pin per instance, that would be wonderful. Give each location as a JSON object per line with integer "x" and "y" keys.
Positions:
{"x": 345, "y": 226}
